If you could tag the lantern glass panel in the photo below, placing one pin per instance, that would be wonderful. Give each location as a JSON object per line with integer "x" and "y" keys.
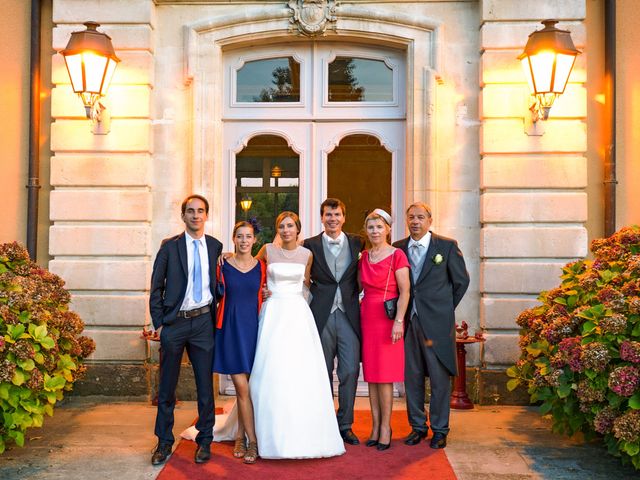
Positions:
{"x": 94, "y": 69}
{"x": 74, "y": 65}
{"x": 111, "y": 68}
{"x": 526, "y": 67}
{"x": 542, "y": 66}
{"x": 564, "y": 64}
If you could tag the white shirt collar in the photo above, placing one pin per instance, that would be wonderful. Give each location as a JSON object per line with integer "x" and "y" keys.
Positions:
{"x": 340, "y": 238}
{"x": 424, "y": 241}
{"x": 190, "y": 239}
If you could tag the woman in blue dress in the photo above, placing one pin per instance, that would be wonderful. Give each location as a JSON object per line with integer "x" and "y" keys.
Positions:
{"x": 237, "y": 331}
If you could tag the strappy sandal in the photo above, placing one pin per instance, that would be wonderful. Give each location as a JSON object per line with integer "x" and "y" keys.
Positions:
{"x": 239, "y": 448}
{"x": 252, "y": 453}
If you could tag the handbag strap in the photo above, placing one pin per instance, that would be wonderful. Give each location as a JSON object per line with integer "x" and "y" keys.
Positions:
{"x": 384, "y": 297}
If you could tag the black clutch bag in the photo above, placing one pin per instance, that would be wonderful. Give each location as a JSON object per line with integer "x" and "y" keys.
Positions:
{"x": 391, "y": 307}
{"x": 391, "y": 304}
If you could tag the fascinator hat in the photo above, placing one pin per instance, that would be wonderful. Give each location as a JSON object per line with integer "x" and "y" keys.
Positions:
{"x": 384, "y": 215}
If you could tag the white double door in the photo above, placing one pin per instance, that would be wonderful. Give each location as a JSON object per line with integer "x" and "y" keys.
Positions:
{"x": 353, "y": 150}
{"x": 313, "y": 143}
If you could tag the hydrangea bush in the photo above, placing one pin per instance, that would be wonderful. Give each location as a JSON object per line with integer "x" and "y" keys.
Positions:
{"x": 581, "y": 348}
{"x": 41, "y": 349}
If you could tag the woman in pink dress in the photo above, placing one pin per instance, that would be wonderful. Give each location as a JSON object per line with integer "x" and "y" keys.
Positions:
{"x": 383, "y": 274}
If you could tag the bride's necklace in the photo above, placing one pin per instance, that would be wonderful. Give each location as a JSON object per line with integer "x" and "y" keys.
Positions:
{"x": 241, "y": 267}
{"x": 282, "y": 250}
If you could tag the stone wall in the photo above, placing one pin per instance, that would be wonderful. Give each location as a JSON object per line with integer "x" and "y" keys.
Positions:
{"x": 533, "y": 198}
{"x": 100, "y": 237}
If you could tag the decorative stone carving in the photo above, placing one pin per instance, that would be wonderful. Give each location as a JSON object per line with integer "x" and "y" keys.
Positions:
{"x": 312, "y": 16}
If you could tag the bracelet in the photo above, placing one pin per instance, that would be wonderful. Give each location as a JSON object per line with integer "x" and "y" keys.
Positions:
{"x": 399, "y": 320}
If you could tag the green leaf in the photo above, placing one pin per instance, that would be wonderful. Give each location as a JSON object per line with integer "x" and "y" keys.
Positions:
{"x": 636, "y": 330}
{"x": 54, "y": 383}
{"x": 4, "y": 391}
{"x": 634, "y": 401}
{"x": 512, "y": 372}
{"x": 560, "y": 300}
{"x": 545, "y": 408}
{"x": 588, "y": 327}
{"x": 632, "y": 448}
{"x": 48, "y": 343}
{"x": 40, "y": 332}
{"x": 513, "y": 384}
{"x": 18, "y": 436}
{"x": 18, "y": 377}
{"x": 571, "y": 301}
{"x": 564, "y": 391}
{"x": 38, "y": 358}
{"x": 15, "y": 331}
{"x": 534, "y": 350}
{"x": 24, "y": 316}
{"x": 27, "y": 365}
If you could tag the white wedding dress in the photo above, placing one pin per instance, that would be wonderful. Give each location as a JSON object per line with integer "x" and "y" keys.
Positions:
{"x": 292, "y": 398}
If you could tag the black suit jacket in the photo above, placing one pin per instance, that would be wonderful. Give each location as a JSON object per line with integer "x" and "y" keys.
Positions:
{"x": 437, "y": 291}
{"x": 169, "y": 278}
{"x": 324, "y": 285}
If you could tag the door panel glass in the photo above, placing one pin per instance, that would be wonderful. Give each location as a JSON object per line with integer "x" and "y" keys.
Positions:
{"x": 360, "y": 80}
{"x": 359, "y": 173}
{"x": 267, "y": 174}
{"x": 269, "y": 80}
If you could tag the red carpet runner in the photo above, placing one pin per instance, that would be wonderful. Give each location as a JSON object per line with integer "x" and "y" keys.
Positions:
{"x": 360, "y": 462}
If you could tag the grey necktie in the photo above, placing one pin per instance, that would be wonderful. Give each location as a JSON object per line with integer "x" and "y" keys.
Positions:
{"x": 414, "y": 255}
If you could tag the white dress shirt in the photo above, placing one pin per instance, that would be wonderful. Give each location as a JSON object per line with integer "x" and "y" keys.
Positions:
{"x": 189, "y": 303}
{"x": 335, "y": 248}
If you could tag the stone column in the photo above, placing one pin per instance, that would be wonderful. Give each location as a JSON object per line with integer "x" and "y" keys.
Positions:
{"x": 533, "y": 188}
{"x": 100, "y": 237}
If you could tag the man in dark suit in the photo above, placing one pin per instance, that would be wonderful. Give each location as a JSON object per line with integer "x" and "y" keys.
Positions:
{"x": 335, "y": 306}
{"x": 439, "y": 280}
{"x": 183, "y": 310}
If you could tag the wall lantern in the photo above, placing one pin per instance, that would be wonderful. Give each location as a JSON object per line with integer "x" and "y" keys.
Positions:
{"x": 276, "y": 171}
{"x": 245, "y": 204}
{"x": 547, "y": 60}
{"x": 91, "y": 61}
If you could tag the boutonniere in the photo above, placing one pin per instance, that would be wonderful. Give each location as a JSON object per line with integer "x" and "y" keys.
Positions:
{"x": 359, "y": 255}
{"x": 437, "y": 259}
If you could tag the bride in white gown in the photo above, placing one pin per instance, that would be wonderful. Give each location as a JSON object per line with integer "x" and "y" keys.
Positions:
{"x": 292, "y": 399}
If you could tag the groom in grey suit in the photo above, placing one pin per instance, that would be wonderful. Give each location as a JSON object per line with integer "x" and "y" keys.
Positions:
{"x": 439, "y": 279}
{"x": 335, "y": 306}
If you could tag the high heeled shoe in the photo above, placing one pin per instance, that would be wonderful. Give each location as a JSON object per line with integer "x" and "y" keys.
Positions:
{"x": 371, "y": 443}
{"x": 384, "y": 446}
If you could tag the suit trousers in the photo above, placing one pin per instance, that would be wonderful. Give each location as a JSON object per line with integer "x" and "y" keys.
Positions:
{"x": 339, "y": 339}
{"x": 196, "y": 335}
{"x": 420, "y": 361}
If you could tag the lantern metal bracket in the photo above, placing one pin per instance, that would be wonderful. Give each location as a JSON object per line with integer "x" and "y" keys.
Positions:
{"x": 533, "y": 124}
{"x": 100, "y": 118}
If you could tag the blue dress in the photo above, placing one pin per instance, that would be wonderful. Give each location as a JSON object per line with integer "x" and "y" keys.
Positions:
{"x": 235, "y": 342}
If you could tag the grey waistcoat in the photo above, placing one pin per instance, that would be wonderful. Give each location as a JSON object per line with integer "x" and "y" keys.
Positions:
{"x": 337, "y": 265}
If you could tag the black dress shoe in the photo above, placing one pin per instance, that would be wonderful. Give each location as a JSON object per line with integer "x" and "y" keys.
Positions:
{"x": 371, "y": 443}
{"x": 439, "y": 440}
{"x": 161, "y": 453}
{"x": 203, "y": 453}
{"x": 415, "y": 437}
{"x": 349, "y": 437}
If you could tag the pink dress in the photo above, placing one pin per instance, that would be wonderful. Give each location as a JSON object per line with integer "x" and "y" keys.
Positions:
{"x": 382, "y": 361}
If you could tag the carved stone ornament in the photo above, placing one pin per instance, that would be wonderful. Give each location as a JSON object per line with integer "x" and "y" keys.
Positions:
{"x": 311, "y": 16}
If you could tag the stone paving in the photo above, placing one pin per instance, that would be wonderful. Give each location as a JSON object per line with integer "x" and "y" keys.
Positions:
{"x": 107, "y": 438}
